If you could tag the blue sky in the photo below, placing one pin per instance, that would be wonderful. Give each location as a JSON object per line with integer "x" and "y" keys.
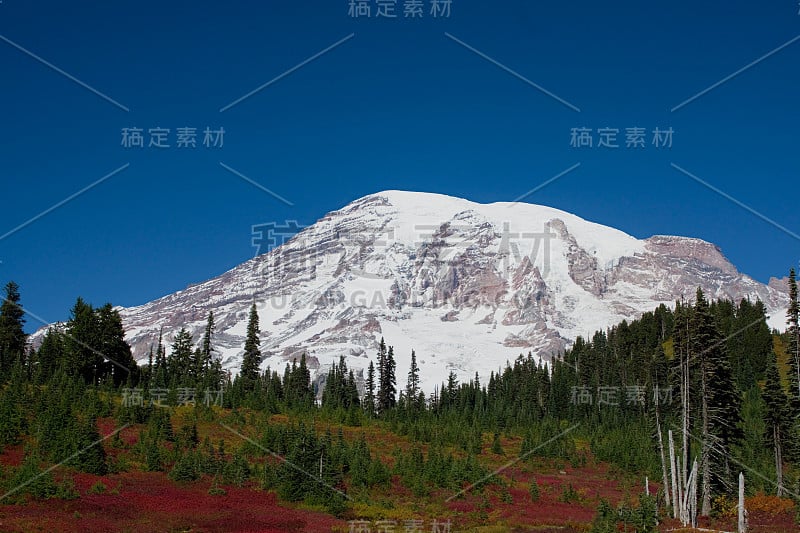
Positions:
{"x": 401, "y": 104}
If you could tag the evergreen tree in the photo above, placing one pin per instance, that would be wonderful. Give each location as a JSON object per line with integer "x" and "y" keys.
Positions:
{"x": 82, "y": 337}
{"x": 91, "y": 456}
{"x": 387, "y": 384}
{"x": 792, "y": 318}
{"x": 159, "y": 379}
{"x": 450, "y": 391}
{"x": 12, "y": 334}
{"x": 204, "y": 357}
{"x": 369, "y": 396}
{"x": 412, "y": 387}
{"x": 180, "y": 360}
{"x": 49, "y": 356}
{"x": 251, "y": 360}
{"x": 720, "y": 402}
{"x": 777, "y": 418}
{"x": 299, "y": 391}
{"x": 118, "y": 361}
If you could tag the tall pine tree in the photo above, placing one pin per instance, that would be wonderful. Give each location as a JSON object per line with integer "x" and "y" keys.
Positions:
{"x": 412, "y": 387}
{"x": 792, "y": 317}
{"x": 251, "y": 361}
{"x": 180, "y": 360}
{"x": 720, "y": 402}
{"x": 12, "y": 335}
{"x": 387, "y": 383}
{"x": 777, "y": 418}
{"x": 369, "y": 395}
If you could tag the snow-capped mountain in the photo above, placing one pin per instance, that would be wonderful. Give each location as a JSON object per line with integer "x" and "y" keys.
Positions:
{"x": 468, "y": 286}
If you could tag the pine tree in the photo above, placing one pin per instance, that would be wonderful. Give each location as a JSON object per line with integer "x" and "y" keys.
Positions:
{"x": 180, "y": 360}
{"x": 412, "y": 387}
{"x": 369, "y": 396}
{"x": 300, "y": 391}
{"x": 12, "y": 334}
{"x": 49, "y": 355}
{"x": 205, "y": 353}
{"x": 451, "y": 396}
{"x": 251, "y": 361}
{"x": 720, "y": 401}
{"x": 91, "y": 457}
{"x": 792, "y": 318}
{"x": 387, "y": 384}
{"x": 82, "y": 357}
{"x": 118, "y": 361}
{"x": 159, "y": 379}
{"x": 777, "y": 418}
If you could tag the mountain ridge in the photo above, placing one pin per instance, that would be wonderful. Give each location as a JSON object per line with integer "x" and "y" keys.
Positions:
{"x": 467, "y": 285}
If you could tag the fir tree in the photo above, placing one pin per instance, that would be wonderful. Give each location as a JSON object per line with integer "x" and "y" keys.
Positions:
{"x": 251, "y": 361}
{"x": 82, "y": 358}
{"x": 204, "y": 357}
{"x": 50, "y": 355}
{"x": 118, "y": 361}
{"x": 387, "y": 384}
{"x": 369, "y": 396}
{"x": 777, "y": 418}
{"x": 412, "y": 387}
{"x": 12, "y": 334}
{"x": 792, "y": 317}
{"x": 180, "y": 360}
{"x": 91, "y": 457}
{"x": 720, "y": 402}
{"x": 159, "y": 379}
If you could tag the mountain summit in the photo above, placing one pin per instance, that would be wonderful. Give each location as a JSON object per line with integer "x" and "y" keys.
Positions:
{"x": 467, "y": 285}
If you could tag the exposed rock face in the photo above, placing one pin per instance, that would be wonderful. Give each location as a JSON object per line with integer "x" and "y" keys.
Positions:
{"x": 468, "y": 286}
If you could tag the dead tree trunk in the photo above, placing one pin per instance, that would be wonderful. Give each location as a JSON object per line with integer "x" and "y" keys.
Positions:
{"x": 776, "y": 435}
{"x": 665, "y": 478}
{"x": 674, "y": 471}
{"x": 742, "y": 518}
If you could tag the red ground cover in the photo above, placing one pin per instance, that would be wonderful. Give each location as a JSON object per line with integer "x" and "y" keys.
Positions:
{"x": 150, "y": 502}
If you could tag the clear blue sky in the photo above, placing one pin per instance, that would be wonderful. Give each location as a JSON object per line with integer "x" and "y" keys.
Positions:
{"x": 400, "y": 105}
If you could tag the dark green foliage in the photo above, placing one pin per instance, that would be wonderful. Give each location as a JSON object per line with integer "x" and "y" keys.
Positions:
{"x": 387, "y": 382}
{"x": 95, "y": 347}
{"x": 12, "y": 334}
{"x": 297, "y": 389}
{"x": 30, "y": 478}
{"x": 606, "y": 519}
{"x": 569, "y": 494}
{"x": 341, "y": 391}
{"x": 186, "y": 467}
{"x": 12, "y": 416}
{"x": 533, "y": 490}
{"x": 439, "y": 469}
{"x": 179, "y": 362}
{"x": 629, "y": 446}
{"x": 369, "y": 397}
{"x": 720, "y": 401}
{"x": 91, "y": 456}
{"x": 50, "y": 355}
{"x": 67, "y": 426}
{"x": 187, "y": 435}
{"x": 496, "y": 447}
{"x": 643, "y": 519}
{"x": 793, "y": 350}
{"x": 412, "y": 386}
{"x": 215, "y": 489}
{"x": 755, "y": 449}
{"x": 237, "y": 470}
{"x": 251, "y": 360}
